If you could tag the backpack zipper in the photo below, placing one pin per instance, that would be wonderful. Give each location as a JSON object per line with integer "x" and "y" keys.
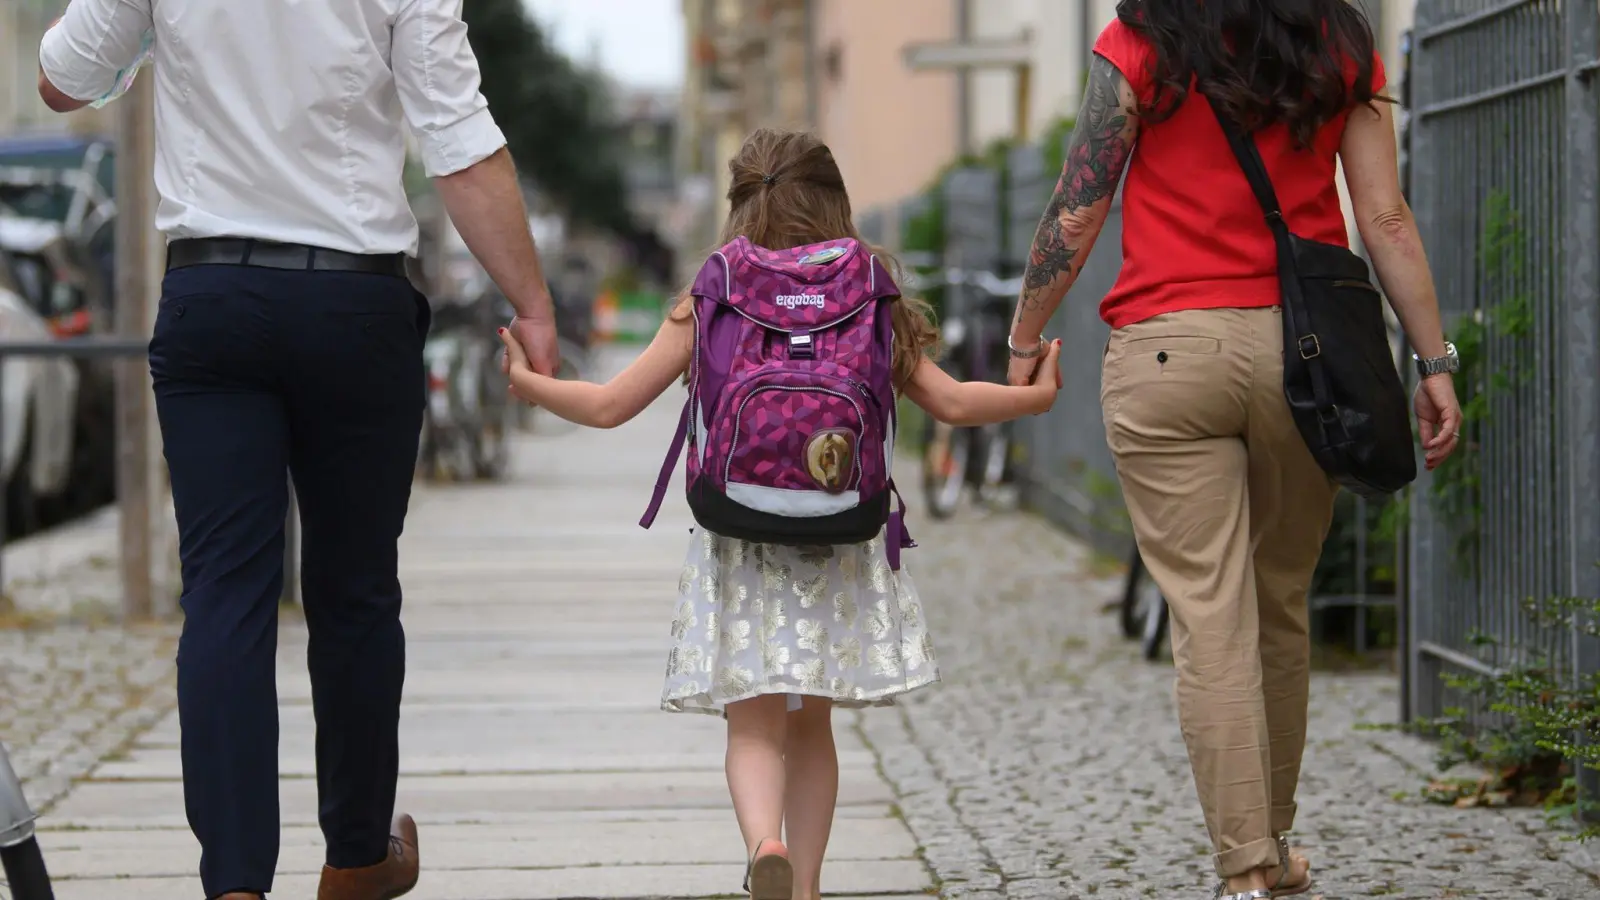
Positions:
{"x": 862, "y": 389}
{"x": 1354, "y": 283}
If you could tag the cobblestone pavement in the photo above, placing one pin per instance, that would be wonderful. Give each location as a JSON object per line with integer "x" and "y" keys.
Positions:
{"x": 1049, "y": 764}
{"x": 74, "y": 689}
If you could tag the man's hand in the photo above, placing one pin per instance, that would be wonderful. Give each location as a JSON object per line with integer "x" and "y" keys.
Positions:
{"x": 537, "y": 337}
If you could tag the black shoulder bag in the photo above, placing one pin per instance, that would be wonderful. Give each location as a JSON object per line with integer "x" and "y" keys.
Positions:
{"x": 1338, "y": 370}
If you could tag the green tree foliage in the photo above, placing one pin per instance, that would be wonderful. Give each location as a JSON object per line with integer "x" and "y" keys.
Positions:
{"x": 555, "y": 115}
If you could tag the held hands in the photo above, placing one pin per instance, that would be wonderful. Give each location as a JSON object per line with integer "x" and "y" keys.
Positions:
{"x": 515, "y": 364}
{"x": 535, "y": 341}
{"x": 1438, "y": 418}
{"x": 1020, "y": 372}
{"x": 1043, "y": 376}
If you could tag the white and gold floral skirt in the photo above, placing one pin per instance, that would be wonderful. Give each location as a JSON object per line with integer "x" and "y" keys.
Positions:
{"x": 755, "y": 619}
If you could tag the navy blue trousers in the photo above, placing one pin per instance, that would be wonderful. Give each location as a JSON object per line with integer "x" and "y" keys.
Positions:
{"x": 260, "y": 375}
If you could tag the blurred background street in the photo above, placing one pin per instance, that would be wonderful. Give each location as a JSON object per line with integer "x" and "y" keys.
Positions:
{"x": 1049, "y": 764}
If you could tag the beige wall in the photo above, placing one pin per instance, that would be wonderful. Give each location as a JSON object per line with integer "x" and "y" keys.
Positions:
{"x": 891, "y": 129}
{"x": 1056, "y": 42}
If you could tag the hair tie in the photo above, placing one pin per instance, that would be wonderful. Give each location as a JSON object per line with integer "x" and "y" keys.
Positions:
{"x": 769, "y": 179}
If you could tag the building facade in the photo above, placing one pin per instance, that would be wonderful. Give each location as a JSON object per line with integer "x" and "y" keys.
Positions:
{"x": 845, "y": 69}
{"x": 749, "y": 65}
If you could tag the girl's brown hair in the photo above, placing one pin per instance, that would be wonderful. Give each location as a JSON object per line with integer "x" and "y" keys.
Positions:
{"x": 786, "y": 191}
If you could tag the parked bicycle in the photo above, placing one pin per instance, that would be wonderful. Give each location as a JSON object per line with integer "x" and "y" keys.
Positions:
{"x": 469, "y": 416}
{"x": 1144, "y": 612}
{"x": 20, "y": 857}
{"x": 958, "y": 458}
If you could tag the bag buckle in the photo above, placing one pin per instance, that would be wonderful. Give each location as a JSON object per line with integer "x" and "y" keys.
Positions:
{"x": 1310, "y": 347}
{"x": 800, "y": 345}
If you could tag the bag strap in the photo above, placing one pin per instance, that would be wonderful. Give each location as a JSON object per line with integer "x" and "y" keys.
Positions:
{"x": 673, "y": 453}
{"x": 1298, "y": 319}
{"x": 897, "y": 538}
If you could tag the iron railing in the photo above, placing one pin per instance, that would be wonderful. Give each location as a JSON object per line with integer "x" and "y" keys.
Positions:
{"x": 1503, "y": 166}
{"x": 108, "y": 347}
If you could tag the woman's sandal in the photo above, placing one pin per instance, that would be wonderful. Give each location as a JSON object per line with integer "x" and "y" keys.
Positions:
{"x": 769, "y": 877}
{"x": 1277, "y": 890}
{"x": 1285, "y": 868}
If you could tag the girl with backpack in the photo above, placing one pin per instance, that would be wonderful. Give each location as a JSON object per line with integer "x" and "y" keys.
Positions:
{"x": 794, "y": 343}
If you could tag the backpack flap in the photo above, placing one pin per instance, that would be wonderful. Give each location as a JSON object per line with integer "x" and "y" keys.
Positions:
{"x": 799, "y": 291}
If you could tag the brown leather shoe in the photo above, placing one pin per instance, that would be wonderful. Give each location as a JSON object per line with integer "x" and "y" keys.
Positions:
{"x": 387, "y": 880}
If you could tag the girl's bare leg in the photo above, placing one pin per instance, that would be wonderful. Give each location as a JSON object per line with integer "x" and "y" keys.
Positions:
{"x": 757, "y": 729}
{"x": 813, "y": 791}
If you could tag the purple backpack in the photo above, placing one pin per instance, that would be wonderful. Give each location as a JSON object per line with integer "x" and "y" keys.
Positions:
{"x": 791, "y": 412}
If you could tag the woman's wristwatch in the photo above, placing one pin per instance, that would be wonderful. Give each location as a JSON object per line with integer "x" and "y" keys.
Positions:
{"x": 1450, "y": 362}
{"x": 1035, "y": 353}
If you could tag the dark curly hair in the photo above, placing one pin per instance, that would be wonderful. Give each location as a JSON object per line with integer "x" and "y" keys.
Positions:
{"x": 1260, "y": 62}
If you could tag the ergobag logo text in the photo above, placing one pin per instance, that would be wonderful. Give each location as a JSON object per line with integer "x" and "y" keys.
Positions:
{"x": 793, "y": 301}
{"x": 790, "y": 419}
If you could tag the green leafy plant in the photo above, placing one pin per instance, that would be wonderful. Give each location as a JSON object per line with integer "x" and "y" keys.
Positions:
{"x": 1543, "y": 724}
{"x": 1054, "y": 143}
{"x": 556, "y": 114}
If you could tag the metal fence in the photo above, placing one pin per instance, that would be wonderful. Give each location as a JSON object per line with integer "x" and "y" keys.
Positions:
{"x": 1503, "y": 171}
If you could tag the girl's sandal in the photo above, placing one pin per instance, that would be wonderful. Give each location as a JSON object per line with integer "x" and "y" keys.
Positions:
{"x": 1259, "y": 894}
{"x": 1285, "y": 868}
{"x": 769, "y": 876}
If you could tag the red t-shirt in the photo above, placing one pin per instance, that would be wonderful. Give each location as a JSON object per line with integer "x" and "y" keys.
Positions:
{"x": 1193, "y": 236}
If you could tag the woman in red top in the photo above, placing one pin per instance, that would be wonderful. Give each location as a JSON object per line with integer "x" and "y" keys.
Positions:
{"x": 1227, "y": 503}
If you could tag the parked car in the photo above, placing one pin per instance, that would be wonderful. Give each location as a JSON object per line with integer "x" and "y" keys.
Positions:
{"x": 38, "y": 400}
{"x": 57, "y": 240}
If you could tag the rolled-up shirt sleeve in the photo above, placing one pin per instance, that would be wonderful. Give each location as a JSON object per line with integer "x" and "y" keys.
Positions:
{"x": 437, "y": 77}
{"x": 95, "y": 39}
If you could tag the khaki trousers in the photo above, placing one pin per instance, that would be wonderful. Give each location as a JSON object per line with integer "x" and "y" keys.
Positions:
{"x": 1230, "y": 510}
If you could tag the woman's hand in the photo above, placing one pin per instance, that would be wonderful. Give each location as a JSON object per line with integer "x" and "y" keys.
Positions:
{"x": 1438, "y": 418}
{"x": 1020, "y": 372}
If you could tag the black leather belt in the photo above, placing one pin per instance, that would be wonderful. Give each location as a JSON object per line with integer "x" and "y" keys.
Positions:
{"x": 269, "y": 255}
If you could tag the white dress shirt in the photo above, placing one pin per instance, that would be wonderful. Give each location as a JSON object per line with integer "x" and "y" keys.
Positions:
{"x": 281, "y": 119}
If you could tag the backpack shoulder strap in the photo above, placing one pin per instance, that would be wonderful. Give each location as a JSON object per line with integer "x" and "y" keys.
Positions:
{"x": 671, "y": 462}
{"x": 712, "y": 282}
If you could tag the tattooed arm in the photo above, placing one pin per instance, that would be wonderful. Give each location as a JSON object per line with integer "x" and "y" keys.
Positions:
{"x": 1099, "y": 148}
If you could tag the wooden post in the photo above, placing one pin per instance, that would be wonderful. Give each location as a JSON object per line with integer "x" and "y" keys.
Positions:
{"x": 135, "y": 165}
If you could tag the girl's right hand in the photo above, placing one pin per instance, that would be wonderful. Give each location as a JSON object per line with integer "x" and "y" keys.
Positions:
{"x": 1047, "y": 377}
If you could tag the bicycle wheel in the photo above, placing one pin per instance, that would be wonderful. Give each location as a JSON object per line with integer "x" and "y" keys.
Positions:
{"x": 946, "y": 459}
{"x": 497, "y": 419}
{"x": 1128, "y": 615}
{"x": 1155, "y": 624}
{"x": 26, "y": 878}
{"x": 995, "y": 462}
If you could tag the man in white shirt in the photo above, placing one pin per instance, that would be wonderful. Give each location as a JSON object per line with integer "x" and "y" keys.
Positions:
{"x": 289, "y": 341}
